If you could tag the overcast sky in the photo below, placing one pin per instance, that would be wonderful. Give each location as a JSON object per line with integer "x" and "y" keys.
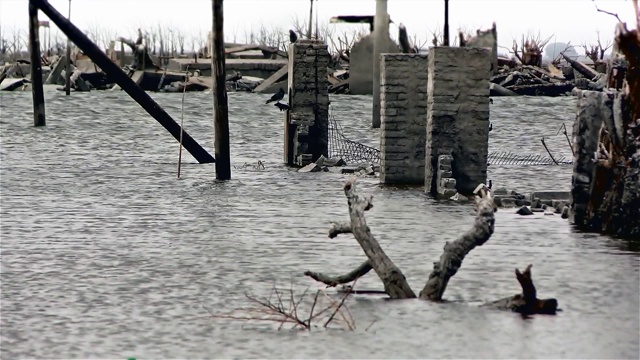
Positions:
{"x": 568, "y": 20}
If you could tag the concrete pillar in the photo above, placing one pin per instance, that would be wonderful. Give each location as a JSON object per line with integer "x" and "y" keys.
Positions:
{"x": 380, "y": 36}
{"x": 458, "y": 115}
{"x": 586, "y": 136}
{"x": 403, "y": 110}
{"x": 307, "y": 120}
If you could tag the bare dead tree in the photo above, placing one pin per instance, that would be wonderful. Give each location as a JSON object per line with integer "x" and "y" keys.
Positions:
{"x": 180, "y": 36}
{"x": 596, "y": 52}
{"x": 529, "y": 51}
{"x": 393, "y": 280}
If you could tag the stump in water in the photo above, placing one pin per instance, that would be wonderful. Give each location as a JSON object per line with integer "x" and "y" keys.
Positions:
{"x": 526, "y": 303}
{"x": 396, "y": 285}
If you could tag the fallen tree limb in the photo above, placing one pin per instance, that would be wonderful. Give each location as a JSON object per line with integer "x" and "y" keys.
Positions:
{"x": 395, "y": 284}
{"x": 333, "y": 281}
{"x": 454, "y": 252}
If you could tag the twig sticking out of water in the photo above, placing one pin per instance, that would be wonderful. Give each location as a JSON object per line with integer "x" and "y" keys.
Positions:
{"x": 184, "y": 90}
{"x": 563, "y": 127}
{"x": 548, "y": 152}
{"x": 284, "y": 307}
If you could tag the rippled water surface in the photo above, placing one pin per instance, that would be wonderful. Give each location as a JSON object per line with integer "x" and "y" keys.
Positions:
{"x": 105, "y": 254}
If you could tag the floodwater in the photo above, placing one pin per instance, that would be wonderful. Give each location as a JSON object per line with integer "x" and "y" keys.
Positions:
{"x": 105, "y": 254}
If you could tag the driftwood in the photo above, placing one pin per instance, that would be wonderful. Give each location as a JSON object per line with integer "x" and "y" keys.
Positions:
{"x": 395, "y": 284}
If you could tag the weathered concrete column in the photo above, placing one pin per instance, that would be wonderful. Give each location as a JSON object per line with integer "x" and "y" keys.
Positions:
{"x": 380, "y": 36}
{"x": 307, "y": 120}
{"x": 586, "y": 135}
{"x": 458, "y": 115}
{"x": 403, "y": 110}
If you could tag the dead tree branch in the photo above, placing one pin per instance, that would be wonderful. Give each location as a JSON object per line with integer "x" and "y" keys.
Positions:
{"x": 332, "y": 281}
{"x": 454, "y": 252}
{"x": 285, "y": 307}
{"x": 395, "y": 284}
{"x": 606, "y": 12}
{"x": 339, "y": 228}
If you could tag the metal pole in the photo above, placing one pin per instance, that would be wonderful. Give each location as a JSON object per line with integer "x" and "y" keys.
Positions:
{"x": 219, "y": 91}
{"x": 446, "y": 23}
{"x": 67, "y": 70}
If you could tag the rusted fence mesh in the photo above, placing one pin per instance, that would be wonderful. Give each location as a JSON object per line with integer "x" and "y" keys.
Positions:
{"x": 355, "y": 152}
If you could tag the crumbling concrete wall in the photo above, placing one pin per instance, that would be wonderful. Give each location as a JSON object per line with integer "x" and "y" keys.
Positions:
{"x": 361, "y": 65}
{"x": 446, "y": 186}
{"x": 605, "y": 186}
{"x": 403, "y": 109}
{"x": 458, "y": 115}
{"x": 307, "y": 120}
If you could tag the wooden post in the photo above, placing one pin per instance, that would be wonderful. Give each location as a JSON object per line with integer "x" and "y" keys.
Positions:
{"x": 219, "y": 91}
{"x": 36, "y": 68}
{"x": 67, "y": 69}
{"x": 446, "y": 23}
{"x": 118, "y": 76}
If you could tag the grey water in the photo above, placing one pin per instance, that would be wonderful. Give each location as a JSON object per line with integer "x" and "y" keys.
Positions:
{"x": 106, "y": 254}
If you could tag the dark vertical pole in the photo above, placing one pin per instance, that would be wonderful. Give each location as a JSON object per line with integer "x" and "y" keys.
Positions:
{"x": 310, "y": 20}
{"x": 36, "y": 68}
{"x": 220, "y": 101}
{"x": 446, "y": 23}
{"x": 67, "y": 69}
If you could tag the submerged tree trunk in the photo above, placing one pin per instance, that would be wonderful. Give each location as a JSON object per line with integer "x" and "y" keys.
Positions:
{"x": 395, "y": 284}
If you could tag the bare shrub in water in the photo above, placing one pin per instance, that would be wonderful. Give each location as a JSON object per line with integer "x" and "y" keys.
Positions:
{"x": 297, "y": 312}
